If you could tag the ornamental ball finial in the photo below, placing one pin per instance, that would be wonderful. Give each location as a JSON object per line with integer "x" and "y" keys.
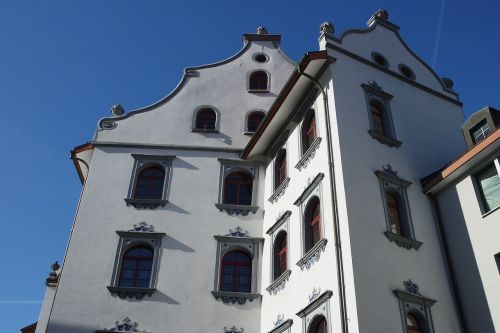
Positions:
{"x": 326, "y": 28}
{"x": 261, "y": 31}
{"x": 448, "y": 83}
{"x": 382, "y": 13}
{"x": 117, "y": 110}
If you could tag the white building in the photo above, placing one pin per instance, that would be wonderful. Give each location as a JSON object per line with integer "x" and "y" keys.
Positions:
{"x": 194, "y": 217}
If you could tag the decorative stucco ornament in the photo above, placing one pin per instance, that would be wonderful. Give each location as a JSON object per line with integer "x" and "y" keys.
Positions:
{"x": 411, "y": 287}
{"x": 233, "y": 329}
{"x": 279, "y": 320}
{"x": 117, "y": 110}
{"x": 448, "y": 83}
{"x": 53, "y": 277}
{"x": 382, "y": 14}
{"x": 326, "y": 28}
{"x": 143, "y": 227}
{"x": 126, "y": 325}
{"x": 388, "y": 169}
{"x": 237, "y": 232}
{"x": 261, "y": 31}
{"x": 315, "y": 294}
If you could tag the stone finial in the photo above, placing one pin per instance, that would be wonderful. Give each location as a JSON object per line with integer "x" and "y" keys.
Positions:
{"x": 382, "y": 14}
{"x": 117, "y": 110}
{"x": 448, "y": 83}
{"x": 261, "y": 31}
{"x": 53, "y": 276}
{"x": 326, "y": 28}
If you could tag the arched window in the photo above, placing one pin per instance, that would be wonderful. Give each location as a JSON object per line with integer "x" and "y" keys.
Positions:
{"x": 254, "y": 120}
{"x": 309, "y": 133}
{"x": 136, "y": 267}
{"x": 236, "y": 272}
{"x": 238, "y": 189}
{"x": 312, "y": 227}
{"x": 413, "y": 324}
{"x": 280, "y": 169}
{"x": 205, "y": 119}
{"x": 258, "y": 81}
{"x": 149, "y": 184}
{"x": 318, "y": 325}
{"x": 394, "y": 212}
{"x": 280, "y": 254}
{"x": 377, "y": 112}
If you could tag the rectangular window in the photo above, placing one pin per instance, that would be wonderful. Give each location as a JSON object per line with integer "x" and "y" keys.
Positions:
{"x": 489, "y": 185}
{"x": 480, "y": 131}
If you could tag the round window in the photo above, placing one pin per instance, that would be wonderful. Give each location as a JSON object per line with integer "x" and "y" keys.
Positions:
{"x": 261, "y": 57}
{"x": 380, "y": 59}
{"x": 406, "y": 71}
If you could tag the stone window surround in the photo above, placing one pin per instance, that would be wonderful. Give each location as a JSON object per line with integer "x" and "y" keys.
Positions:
{"x": 141, "y": 233}
{"x": 245, "y": 126}
{"x": 373, "y": 92}
{"x": 389, "y": 180}
{"x": 282, "y": 224}
{"x": 312, "y": 189}
{"x": 237, "y": 239}
{"x": 281, "y": 325}
{"x": 306, "y": 157}
{"x": 231, "y": 165}
{"x": 410, "y": 300}
{"x": 217, "y": 119}
{"x": 277, "y": 192}
{"x": 142, "y": 161}
{"x": 477, "y": 187}
{"x": 318, "y": 305}
{"x": 249, "y": 73}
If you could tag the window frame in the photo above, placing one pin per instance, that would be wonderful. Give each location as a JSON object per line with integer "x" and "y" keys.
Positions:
{"x": 282, "y": 224}
{"x": 237, "y": 240}
{"x": 307, "y": 154}
{"x": 312, "y": 255}
{"x": 279, "y": 189}
{"x": 200, "y": 108}
{"x": 319, "y": 305}
{"x": 142, "y": 162}
{"x": 254, "y": 90}
{"x": 247, "y": 119}
{"x": 141, "y": 234}
{"x": 228, "y": 166}
{"x": 375, "y": 94}
{"x": 390, "y": 182}
{"x": 412, "y": 302}
{"x": 483, "y": 204}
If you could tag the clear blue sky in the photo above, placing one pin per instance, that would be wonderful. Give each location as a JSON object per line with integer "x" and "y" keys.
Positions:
{"x": 63, "y": 64}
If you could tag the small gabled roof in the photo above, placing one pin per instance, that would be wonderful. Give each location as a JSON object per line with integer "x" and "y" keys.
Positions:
{"x": 313, "y": 64}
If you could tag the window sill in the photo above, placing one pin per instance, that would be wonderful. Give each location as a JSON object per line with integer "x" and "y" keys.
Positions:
{"x": 386, "y": 140}
{"x": 248, "y": 133}
{"x": 490, "y": 212}
{"x": 146, "y": 203}
{"x": 230, "y": 297}
{"x": 131, "y": 292}
{"x": 204, "y": 130}
{"x": 401, "y": 241}
{"x": 258, "y": 90}
{"x": 236, "y": 209}
{"x": 312, "y": 255}
{"x": 308, "y": 155}
{"x": 279, "y": 283}
{"x": 279, "y": 191}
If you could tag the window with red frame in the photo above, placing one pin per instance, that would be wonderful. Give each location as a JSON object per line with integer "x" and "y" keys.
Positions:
{"x": 258, "y": 80}
{"x": 280, "y": 169}
{"x": 377, "y": 118}
{"x": 236, "y": 272}
{"x": 318, "y": 325}
{"x": 280, "y": 254}
{"x": 312, "y": 224}
{"x": 254, "y": 120}
{"x": 136, "y": 267}
{"x": 308, "y": 131}
{"x": 238, "y": 189}
{"x": 205, "y": 119}
{"x": 150, "y": 182}
{"x": 394, "y": 212}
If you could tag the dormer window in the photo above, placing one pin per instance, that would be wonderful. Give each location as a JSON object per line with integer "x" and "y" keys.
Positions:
{"x": 258, "y": 81}
{"x": 480, "y": 131}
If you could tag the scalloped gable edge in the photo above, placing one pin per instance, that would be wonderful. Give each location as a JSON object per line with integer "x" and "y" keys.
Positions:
{"x": 395, "y": 29}
{"x": 189, "y": 71}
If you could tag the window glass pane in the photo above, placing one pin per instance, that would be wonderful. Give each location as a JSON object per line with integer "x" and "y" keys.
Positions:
{"x": 480, "y": 131}
{"x": 489, "y": 183}
{"x": 150, "y": 184}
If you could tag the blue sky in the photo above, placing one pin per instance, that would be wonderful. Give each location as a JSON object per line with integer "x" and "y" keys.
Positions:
{"x": 63, "y": 64}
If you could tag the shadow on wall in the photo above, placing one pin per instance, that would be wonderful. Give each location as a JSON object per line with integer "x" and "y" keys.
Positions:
{"x": 182, "y": 164}
{"x": 170, "y": 243}
{"x": 218, "y": 136}
{"x": 463, "y": 264}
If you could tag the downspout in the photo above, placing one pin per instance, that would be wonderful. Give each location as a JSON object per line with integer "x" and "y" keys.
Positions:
{"x": 448, "y": 264}
{"x": 333, "y": 192}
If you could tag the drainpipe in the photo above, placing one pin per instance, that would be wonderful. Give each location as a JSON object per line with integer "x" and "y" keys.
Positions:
{"x": 333, "y": 192}
{"x": 448, "y": 264}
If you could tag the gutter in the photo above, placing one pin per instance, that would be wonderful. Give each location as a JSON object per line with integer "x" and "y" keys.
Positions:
{"x": 333, "y": 192}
